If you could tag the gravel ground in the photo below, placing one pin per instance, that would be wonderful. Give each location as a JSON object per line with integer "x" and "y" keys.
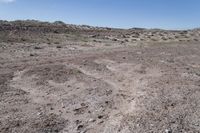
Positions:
{"x": 100, "y": 87}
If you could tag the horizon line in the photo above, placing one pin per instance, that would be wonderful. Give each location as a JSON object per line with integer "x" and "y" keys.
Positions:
{"x": 96, "y": 26}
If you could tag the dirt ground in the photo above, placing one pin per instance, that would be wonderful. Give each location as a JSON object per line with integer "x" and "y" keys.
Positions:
{"x": 101, "y": 86}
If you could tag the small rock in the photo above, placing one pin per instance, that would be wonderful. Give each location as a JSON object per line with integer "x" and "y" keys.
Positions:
{"x": 37, "y": 47}
{"x": 114, "y": 39}
{"x": 77, "y": 122}
{"x": 63, "y": 106}
{"x": 80, "y": 127}
{"x": 58, "y": 47}
{"x": 101, "y": 122}
{"x": 100, "y": 116}
{"x": 31, "y": 54}
{"x": 69, "y": 86}
{"x": 83, "y": 104}
{"x": 91, "y": 120}
{"x": 168, "y": 131}
{"x": 39, "y": 113}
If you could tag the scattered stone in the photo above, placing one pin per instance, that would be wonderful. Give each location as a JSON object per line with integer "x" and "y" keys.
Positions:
{"x": 69, "y": 86}
{"x": 100, "y": 116}
{"x": 168, "y": 131}
{"x": 91, "y": 120}
{"x": 80, "y": 110}
{"x": 114, "y": 39}
{"x": 78, "y": 122}
{"x": 83, "y": 104}
{"x": 37, "y": 47}
{"x": 80, "y": 127}
{"x": 39, "y": 113}
{"x": 58, "y": 46}
{"x": 32, "y": 54}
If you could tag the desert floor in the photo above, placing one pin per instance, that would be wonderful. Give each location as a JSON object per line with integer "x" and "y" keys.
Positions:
{"x": 140, "y": 88}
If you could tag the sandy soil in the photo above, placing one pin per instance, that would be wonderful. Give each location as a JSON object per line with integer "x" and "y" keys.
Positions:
{"x": 94, "y": 87}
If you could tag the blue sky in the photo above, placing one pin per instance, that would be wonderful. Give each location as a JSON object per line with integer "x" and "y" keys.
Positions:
{"x": 167, "y": 14}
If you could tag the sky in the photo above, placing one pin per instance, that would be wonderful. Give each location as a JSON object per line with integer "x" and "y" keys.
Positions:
{"x": 165, "y": 14}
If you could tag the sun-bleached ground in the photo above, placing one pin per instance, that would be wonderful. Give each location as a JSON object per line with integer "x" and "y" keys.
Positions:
{"x": 101, "y": 83}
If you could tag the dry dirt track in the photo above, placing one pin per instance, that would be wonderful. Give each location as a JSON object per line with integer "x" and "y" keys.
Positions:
{"x": 133, "y": 89}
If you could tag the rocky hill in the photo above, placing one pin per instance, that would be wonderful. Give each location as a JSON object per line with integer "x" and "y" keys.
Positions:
{"x": 44, "y": 31}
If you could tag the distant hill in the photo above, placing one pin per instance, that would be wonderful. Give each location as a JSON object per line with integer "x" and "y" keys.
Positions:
{"x": 34, "y": 31}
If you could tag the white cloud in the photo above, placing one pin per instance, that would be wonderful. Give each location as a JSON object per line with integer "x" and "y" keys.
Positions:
{"x": 7, "y": 1}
